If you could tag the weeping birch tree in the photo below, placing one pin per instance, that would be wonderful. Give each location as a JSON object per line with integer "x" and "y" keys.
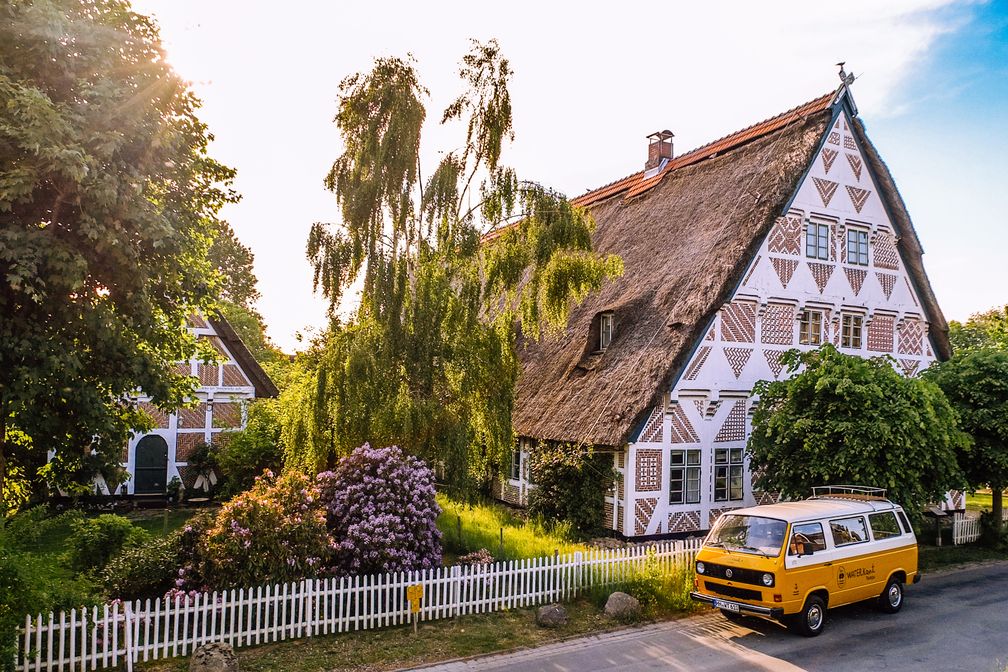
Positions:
{"x": 455, "y": 269}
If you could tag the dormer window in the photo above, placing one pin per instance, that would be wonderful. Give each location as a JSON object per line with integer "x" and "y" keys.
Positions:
{"x": 605, "y": 330}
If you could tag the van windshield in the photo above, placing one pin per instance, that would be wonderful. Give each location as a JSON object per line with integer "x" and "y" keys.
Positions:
{"x": 749, "y": 534}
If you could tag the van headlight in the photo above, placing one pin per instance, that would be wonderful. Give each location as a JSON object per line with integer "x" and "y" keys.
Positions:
{"x": 700, "y": 568}
{"x": 768, "y": 579}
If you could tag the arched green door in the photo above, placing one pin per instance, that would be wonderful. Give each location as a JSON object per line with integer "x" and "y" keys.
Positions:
{"x": 151, "y": 465}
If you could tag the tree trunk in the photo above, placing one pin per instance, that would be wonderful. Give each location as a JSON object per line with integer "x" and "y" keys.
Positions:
{"x": 3, "y": 461}
{"x": 997, "y": 505}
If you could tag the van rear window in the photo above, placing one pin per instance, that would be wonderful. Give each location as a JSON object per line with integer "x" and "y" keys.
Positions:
{"x": 884, "y": 525}
{"x": 848, "y": 531}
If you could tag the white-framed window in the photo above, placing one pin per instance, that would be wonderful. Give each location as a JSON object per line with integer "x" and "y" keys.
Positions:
{"x": 857, "y": 247}
{"x": 515, "y": 472}
{"x": 810, "y": 331}
{"x": 852, "y": 328}
{"x": 605, "y": 330}
{"x": 684, "y": 478}
{"x": 817, "y": 240}
{"x": 727, "y": 474}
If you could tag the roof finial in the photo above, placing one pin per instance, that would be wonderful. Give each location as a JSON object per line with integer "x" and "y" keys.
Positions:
{"x": 845, "y": 77}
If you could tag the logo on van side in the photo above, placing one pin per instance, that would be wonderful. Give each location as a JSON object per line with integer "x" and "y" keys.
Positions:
{"x": 858, "y": 572}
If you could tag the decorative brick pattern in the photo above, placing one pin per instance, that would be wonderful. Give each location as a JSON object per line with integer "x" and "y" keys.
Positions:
{"x": 183, "y": 368}
{"x": 855, "y": 165}
{"x": 221, "y": 439}
{"x": 880, "y": 333}
{"x": 504, "y": 491}
{"x": 834, "y": 138}
{"x": 208, "y": 374}
{"x": 828, "y": 157}
{"x": 737, "y": 359}
{"x": 752, "y": 270}
{"x": 884, "y": 252}
{"x": 185, "y": 444}
{"x": 681, "y": 429}
{"x": 785, "y": 236}
{"x": 216, "y": 344}
{"x": 738, "y": 322}
{"x": 649, "y": 470}
{"x": 644, "y": 509}
{"x": 909, "y": 366}
{"x": 652, "y": 432}
{"x": 911, "y": 338}
{"x": 774, "y": 361}
{"x": 192, "y": 418}
{"x": 826, "y": 189}
{"x": 733, "y": 428}
{"x": 958, "y": 498}
{"x": 785, "y": 269}
{"x": 188, "y": 476}
{"x": 714, "y": 515}
{"x": 159, "y": 417}
{"x": 684, "y": 521}
{"x": 855, "y": 276}
{"x": 913, "y": 295}
{"x": 886, "y": 281}
{"x": 234, "y": 377}
{"x": 858, "y": 196}
{"x": 701, "y": 405}
{"x": 848, "y": 142}
{"x": 710, "y": 334}
{"x": 693, "y": 370}
{"x": 778, "y": 324}
{"x": 226, "y": 415}
{"x": 821, "y": 273}
{"x": 607, "y": 515}
{"x": 766, "y": 497}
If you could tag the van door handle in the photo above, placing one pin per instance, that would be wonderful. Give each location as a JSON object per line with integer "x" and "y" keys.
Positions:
{"x": 827, "y": 564}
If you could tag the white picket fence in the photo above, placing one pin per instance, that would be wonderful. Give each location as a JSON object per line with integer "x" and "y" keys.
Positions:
{"x": 125, "y": 633}
{"x": 966, "y": 527}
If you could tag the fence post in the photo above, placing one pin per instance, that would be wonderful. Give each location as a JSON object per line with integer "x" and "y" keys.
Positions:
{"x": 128, "y": 617}
{"x": 577, "y": 573}
{"x": 456, "y": 583}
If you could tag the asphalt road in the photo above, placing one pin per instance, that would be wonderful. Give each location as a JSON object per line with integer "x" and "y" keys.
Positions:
{"x": 955, "y": 620}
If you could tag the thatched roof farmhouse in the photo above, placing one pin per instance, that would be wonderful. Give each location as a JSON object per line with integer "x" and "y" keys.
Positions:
{"x": 788, "y": 233}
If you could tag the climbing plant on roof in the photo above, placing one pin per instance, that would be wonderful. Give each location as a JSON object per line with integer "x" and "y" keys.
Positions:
{"x": 448, "y": 267}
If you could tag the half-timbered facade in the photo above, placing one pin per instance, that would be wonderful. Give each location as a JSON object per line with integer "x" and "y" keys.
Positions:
{"x": 225, "y": 388}
{"x": 787, "y": 234}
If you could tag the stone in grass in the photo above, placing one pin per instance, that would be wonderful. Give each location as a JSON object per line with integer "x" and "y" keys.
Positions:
{"x": 216, "y": 657}
{"x": 622, "y": 607}
{"x": 551, "y": 616}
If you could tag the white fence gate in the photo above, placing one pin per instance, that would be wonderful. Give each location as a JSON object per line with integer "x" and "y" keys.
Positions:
{"x": 966, "y": 527}
{"x": 124, "y": 633}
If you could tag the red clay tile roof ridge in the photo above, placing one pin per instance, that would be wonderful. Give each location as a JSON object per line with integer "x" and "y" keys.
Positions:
{"x": 730, "y": 141}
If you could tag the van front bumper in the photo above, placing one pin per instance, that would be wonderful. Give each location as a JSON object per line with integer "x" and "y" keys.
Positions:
{"x": 776, "y": 613}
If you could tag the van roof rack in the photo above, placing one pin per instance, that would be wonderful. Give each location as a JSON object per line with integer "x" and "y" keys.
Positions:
{"x": 858, "y": 492}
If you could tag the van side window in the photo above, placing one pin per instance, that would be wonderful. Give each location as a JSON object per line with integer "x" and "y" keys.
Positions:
{"x": 884, "y": 525}
{"x": 848, "y": 531}
{"x": 807, "y": 538}
{"x": 904, "y": 522}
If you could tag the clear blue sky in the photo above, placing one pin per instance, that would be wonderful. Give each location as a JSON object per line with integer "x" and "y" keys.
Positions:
{"x": 589, "y": 84}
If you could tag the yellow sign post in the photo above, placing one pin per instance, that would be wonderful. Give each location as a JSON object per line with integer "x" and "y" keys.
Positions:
{"x": 414, "y": 594}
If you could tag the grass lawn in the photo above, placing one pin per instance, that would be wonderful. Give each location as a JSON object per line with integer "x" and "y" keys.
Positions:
{"x": 979, "y": 501}
{"x": 393, "y": 648}
{"x": 931, "y": 558}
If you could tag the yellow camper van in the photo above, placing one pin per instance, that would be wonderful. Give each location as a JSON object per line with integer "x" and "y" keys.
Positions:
{"x": 793, "y": 560}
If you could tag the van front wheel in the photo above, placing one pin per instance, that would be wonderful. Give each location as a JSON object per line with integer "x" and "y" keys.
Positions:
{"x": 812, "y": 618}
{"x": 891, "y": 599}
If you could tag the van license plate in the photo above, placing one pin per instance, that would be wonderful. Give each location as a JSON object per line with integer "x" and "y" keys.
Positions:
{"x": 727, "y": 606}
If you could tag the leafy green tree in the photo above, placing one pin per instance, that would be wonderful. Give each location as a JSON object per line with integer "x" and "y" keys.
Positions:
{"x": 571, "y": 483}
{"x": 108, "y": 208}
{"x": 846, "y": 419}
{"x": 233, "y": 261}
{"x": 988, "y": 329}
{"x": 976, "y": 384}
{"x": 428, "y": 361}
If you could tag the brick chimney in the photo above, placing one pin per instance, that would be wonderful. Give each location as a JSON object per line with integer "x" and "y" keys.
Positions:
{"x": 659, "y": 148}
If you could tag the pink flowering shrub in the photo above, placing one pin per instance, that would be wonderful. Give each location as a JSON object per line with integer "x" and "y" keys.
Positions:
{"x": 381, "y": 512}
{"x": 273, "y": 533}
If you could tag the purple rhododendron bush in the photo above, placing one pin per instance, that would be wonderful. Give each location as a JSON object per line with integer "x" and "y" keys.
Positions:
{"x": 381, "y": 512}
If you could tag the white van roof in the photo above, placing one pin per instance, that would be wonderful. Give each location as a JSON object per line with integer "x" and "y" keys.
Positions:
{"x": 815, "y": 508}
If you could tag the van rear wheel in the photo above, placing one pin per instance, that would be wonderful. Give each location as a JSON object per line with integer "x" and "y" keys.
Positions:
{"x": 891, "y": 599}
{"x": 811, "y": 620}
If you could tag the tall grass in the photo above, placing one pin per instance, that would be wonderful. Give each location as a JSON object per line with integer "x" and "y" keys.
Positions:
{"x": 659, "y": 593}
{"x": 466, "y": 528}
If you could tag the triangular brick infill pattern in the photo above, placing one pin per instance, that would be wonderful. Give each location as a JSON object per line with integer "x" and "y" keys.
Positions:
{"x": 737, "y": 359}
{"x": 693, "y": 370}
{"x": 652, "y": 432}
{"x": 751, "y": 270}
{"x": 684, "y": 521}
{"x": 848, "y": 142}
{"x": 644, "y": 509}
{"x": 701, "y": 405}
{"x": 733, "y": 428}
{"x": 855, "y": 277}
{"x": 855, "y": 165}
{"x": 681, "y": 430}
{"x": 909, "y": 366}
{"x": 785, "y": 236}
{"x": 858, "y": 196}
{"x": 826, "y": 189}
{"x": 887, "y": 281}
{"x": 774, "y": 359}
{"x": 821, "y": 273}
{"x": 785, "y": 269}
{"x": 828, "y": 157}
{"x": 885, "y": 254}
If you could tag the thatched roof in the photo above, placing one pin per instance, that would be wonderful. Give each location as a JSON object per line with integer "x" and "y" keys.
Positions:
{"x": 263, "y": 384}
{"x": 686, "y": 237}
